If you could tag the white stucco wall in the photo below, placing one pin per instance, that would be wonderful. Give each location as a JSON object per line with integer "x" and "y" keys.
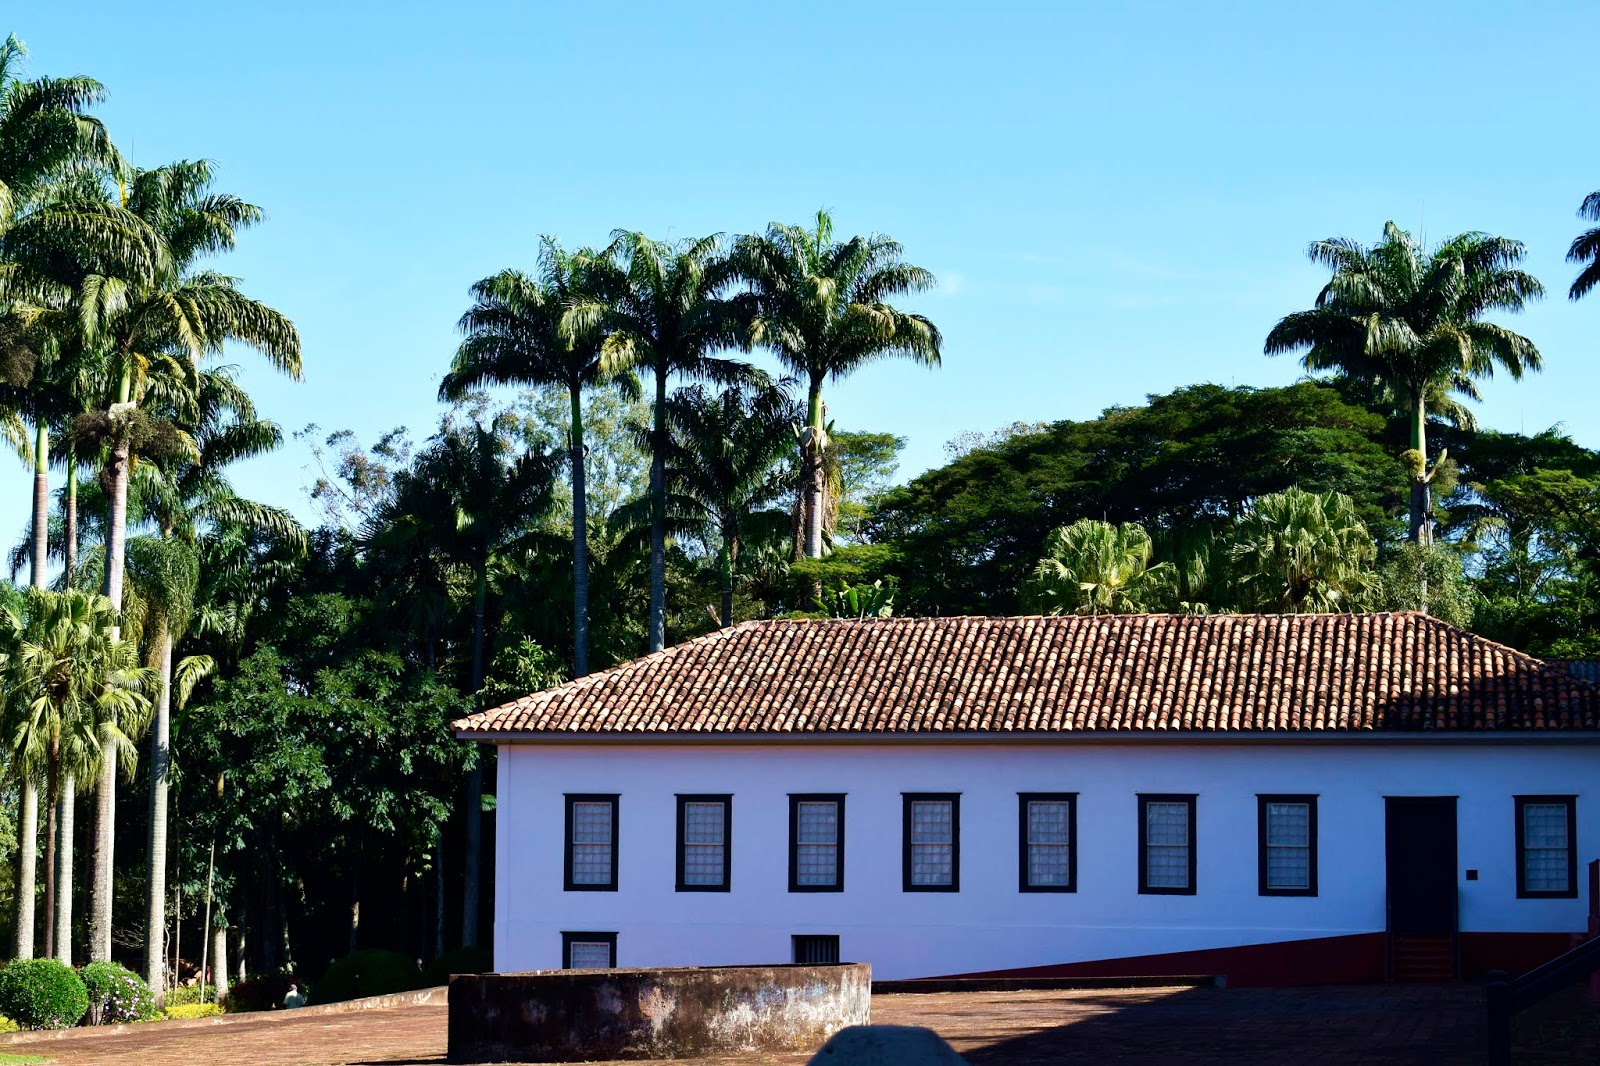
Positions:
{"x": 989, "y": 925}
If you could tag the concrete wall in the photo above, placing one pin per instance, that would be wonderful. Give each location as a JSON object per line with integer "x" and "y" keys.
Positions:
{"x": 989, "y": 925}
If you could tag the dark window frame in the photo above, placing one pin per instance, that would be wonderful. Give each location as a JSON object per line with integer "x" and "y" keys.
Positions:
{"x": 1571, "y": 803}
{"x": 726, "y": 799}
{"x": 1071, "y": 800}
{"x": 1145, "y": 799}
{"x": 572, "y": 798}
{"x": 906, "y": 800}
{"x": 794, "y": 948}
{"x": 795, "y": 799}
{"x": 1262, "y": 801}
{"x": 568, "y": 939}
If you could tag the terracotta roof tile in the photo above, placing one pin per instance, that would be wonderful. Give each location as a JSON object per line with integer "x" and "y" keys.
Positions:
{"x": 1137, "y": 673}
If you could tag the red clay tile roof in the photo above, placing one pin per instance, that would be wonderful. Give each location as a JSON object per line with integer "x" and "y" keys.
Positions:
{"x": 1129, "y": 673}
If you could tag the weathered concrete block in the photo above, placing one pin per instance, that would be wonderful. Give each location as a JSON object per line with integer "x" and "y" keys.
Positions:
{"x": 886, "y": 1045}
{"x": 676, "y": 1012}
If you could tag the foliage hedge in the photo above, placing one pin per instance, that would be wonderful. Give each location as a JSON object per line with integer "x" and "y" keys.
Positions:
{"x": 117, "y": 994}
{"x": 42, "y": 994}
{"x": 457, "y": 960}
{"x": 370, "y": 972}
{"x": 187, "y": 995}
{"x": 193, "y": 1010}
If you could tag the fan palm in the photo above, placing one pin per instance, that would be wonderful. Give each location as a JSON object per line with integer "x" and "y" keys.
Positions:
{"x": 1409, "y": 321}
{"x": 822, "y": 307}
{"x": 660, "y": 307}
{"x": 724, "y": 465}
{"x": 515, "y": 334}
{"x": 1093, "y": 567}
{"x": 1586, "y": 249}
{"x": 1297, "y": 551}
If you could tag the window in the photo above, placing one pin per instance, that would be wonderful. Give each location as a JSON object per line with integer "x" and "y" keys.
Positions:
{"x": 1547, "y": 847}
{"x": 588, "y": 951}
{"x": 591, "y": 851}
{"x": 1286, "y": 845}
{"x": 931, "y": 860}
{"x": 815, "y": 950}
{"x": 816, "y": 842}
{"x": 1047, "y": 828}
{"x": 705, "y": 834}
{"x": 1166, "y": 845}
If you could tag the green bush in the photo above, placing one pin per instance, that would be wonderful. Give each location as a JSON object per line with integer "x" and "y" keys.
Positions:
{"x": 193, "y": 1010}
{"x": 187, "y": 995}
{"x": 371, "y": 972}
{"x": 117, "y": 994}
{"x": 458, "y": 960}
{"x": 42, "y": 994}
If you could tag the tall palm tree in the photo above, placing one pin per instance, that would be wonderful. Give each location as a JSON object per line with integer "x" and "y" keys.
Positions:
{"x": 516, "y": 335}
{"x": 484, "y": 502}
{"x": 661, "y": 308}
{"x": 1586, "y": 249}
{"x": 822, "y": 307}
{"x": 44, "y": 126}
{"x": 160, "y": 329}
{"x": 725, "y": 469}
{"x": 1409, "y": 321}
{"x": 1093, "y": 567}
{"x": 1297, "y": 551}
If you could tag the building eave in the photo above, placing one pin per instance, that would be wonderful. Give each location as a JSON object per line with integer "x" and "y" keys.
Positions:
{"x": 1086, "y": 737}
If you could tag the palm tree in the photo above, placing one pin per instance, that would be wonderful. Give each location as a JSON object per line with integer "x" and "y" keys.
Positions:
{"x": 515, "y": 335}
{"x": 1093, "y": 567}
{"x": 155, "y": 334}
{"x": 484, "y": 503}
{"x": 1409, "y": 322}
{"x": 724, "y": 465}
{"x": 1586, "y": 249}
{"x": 822, "y": 308}
{"x": 660, "y": 307}
{"x": 43, "y": 128}
{"x": 1297, "y": 551}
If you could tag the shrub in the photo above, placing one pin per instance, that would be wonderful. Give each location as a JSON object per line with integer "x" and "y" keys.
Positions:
{"x": 458, "y": 960}
{"x": 370, "y": 972}
{"x": 187, "y": 995}
{"x": 42, "y": 994}
{"x": 259, "y": 993}
{"x": 116, "y": 994}
{"x": 7, "y": 1025}
{"x": 193, "y": 1010}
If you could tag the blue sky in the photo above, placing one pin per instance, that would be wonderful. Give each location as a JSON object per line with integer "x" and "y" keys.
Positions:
{"x": 1115, "y": 197}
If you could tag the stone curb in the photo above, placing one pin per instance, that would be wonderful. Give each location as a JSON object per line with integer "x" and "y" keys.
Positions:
{"x": 436, "y": 996}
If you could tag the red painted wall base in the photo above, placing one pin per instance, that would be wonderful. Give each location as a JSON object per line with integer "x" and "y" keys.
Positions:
{"x": 1332, "y": 960}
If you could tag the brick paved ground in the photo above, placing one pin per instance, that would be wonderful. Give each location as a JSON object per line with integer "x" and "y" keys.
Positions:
{"x": 1361, "y": 1026}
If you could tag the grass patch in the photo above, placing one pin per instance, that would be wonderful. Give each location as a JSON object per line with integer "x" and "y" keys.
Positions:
{"x": 20, "y": 1060}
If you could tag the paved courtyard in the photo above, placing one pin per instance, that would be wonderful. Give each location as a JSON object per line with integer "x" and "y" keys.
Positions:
{"x": 1359, "y": 1026}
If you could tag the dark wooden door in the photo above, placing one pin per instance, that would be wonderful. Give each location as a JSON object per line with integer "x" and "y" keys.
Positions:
{"x": 1420, "y": 838}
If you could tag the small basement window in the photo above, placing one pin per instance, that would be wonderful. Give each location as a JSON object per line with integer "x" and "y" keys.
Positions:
{"x": 815, "y": 950}
{"x": 1547, "y": 846}
{"x": 588, "y": 951}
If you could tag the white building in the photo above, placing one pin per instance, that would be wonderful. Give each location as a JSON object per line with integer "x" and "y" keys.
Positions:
{"x": 1279, "y": 799}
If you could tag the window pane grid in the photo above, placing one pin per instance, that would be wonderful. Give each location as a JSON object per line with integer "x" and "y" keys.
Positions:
{"x": 1049, "y": 840}
{"x": 931, "y": 842}
{"x": 1166, "y": 845}
{"x": 704, "y": 852}
{"x": 817, "y": 840}
{"x": 589, "y": 955}
{"x": 1288, "y": 845}
{"x": 591, "y": 843}
{"x": 1546, "y": 865}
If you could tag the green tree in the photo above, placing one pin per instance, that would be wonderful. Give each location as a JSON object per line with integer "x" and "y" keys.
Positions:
{"x": 1093, "y": 567}
{"x": 1302, "y": 552}
{"x": 724, "y": 457}
{"x": 822, "y": 307}
{"x": 1586, "y": 249}
{"x": 1411, "y": 321}
{"x": 659, "y": 307}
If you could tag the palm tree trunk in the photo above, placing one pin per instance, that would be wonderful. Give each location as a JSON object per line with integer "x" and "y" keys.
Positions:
{"x": 725, "y": 565}
{"x": 811, "y": 472}
{"x": 155, "y": 938}
{"x": 28, "y": 851}
{"x": 41, "y": 505}
{"x": 1421, "y": 527}
{"x": 474, "y": 857}
{"x": 658, "y": 516}
{"x": 580, "y": 542}
{"x": 69, "y": 796}
{"x": 53, "y": 784}
{"x": 219, "y": 957}
{"x": 72, "y": 515}
{"x": 105, "y": 828}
